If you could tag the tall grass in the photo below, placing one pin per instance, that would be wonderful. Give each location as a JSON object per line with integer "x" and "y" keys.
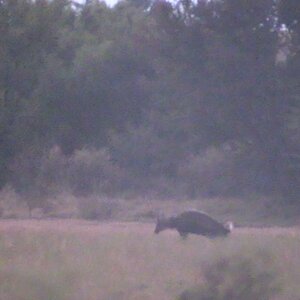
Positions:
{"x": 118, "y": 261}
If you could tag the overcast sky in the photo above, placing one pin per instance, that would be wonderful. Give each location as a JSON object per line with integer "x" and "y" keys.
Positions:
{"x": 111, "y": 2}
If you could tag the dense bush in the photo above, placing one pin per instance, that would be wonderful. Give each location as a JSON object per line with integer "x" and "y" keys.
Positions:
{"x": 96, "y": 208}
{"x": 208, "y": 174}
{"x": 241, "y": 276}
{"x": 40, "y": 176}
{"x": 92, "y": 171}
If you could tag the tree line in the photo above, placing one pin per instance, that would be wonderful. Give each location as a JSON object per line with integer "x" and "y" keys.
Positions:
{"x": 185, "y": 98}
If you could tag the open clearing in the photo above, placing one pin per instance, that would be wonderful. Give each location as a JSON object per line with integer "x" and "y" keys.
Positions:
{"x": 82, "y": 260}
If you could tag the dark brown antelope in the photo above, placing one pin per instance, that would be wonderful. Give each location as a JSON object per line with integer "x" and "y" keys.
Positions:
{"x": 195, "y": 222}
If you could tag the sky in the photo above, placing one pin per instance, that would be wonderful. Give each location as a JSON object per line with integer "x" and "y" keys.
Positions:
{"x": 111, "y": 2}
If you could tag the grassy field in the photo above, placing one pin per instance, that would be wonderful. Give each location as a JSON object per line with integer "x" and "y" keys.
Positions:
{"x": 81, "y": 260}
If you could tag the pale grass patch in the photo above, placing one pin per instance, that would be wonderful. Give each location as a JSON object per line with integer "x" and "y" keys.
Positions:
{"x": 79, "y": 260}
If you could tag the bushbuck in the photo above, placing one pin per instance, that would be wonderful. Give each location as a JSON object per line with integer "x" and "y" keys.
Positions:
{"x": 195, "y": 222}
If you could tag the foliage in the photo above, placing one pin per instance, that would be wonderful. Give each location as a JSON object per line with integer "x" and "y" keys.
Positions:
{"x": 158, "y": 85}
{"x": 237, "y": 277}
{"x": 44, "y": 175}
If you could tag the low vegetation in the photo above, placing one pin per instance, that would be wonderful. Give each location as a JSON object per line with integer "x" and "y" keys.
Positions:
{"x": 235, "y": 277}
{"x": 76, "y": 260}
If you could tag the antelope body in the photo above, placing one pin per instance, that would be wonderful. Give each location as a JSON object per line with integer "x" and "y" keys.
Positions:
{"x": 195, "y": 222}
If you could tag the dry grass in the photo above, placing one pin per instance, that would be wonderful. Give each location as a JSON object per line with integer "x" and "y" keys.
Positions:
{"x": 80, "y": 260}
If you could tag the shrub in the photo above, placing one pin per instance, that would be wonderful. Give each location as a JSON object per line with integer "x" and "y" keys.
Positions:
{"x": 237, "y": 277}
{"x": 95, "y": 208}
{"x": 37, "y": 174}
{"x": 91, "y": 171}
{"x": 49, "y": 173}
{"x": 208, "y": 173}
